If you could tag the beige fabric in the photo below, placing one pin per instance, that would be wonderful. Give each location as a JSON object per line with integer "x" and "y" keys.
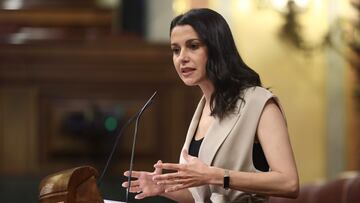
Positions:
{"x": 228, "y": 144}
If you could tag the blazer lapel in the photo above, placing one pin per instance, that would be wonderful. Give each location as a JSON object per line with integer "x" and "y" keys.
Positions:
{"x": 194, "y": 123}
{"x": 216, "y": 135}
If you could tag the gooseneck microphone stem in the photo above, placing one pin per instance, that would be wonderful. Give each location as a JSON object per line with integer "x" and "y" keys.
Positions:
{"x": 134, "y": 144}
{"x": 137, "y": 117}
{"x": 132, "y": 159}
{"x": 114, "y": 148}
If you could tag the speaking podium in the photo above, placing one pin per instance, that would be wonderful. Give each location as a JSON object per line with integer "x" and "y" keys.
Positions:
{"x": 76, "y": 185}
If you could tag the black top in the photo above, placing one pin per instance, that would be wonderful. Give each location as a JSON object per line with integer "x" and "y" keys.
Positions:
{"x": 259, "y": 158}
{"x": 195, "y": 146}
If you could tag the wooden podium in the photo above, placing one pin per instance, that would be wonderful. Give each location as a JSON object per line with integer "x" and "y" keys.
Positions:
{"x": 76, "y": 185}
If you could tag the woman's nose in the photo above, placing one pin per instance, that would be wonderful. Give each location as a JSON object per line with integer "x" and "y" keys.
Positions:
{"x": 184, "y": 57}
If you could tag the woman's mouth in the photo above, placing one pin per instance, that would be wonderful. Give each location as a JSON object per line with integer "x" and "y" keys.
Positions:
{"x": 187, "y": 71}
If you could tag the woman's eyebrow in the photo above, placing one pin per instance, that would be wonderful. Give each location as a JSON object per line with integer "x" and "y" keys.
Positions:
{"x": 194, "y": 39}
{"x": 186, "y": 42}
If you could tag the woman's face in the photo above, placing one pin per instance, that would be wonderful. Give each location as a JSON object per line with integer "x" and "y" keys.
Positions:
{"x": 189, "y": 55}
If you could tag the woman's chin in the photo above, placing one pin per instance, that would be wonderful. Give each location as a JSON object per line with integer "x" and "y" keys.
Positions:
{"x": 189, "y": 83}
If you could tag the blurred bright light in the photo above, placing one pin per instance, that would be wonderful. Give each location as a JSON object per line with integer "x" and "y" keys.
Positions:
{"x": 279, "y": 4}
{"x": 244, "y": 5}
{"x": 109, "y": 4}
{"x": 180, "y": 6}
{"x": 12, "y": 4}
{"x": 302, "y": 4}
{"x": 110, "y": 123}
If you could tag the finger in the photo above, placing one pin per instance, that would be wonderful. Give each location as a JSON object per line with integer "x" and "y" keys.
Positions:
{"x": 178, "y": 187}
{"x": 134, "y": 174}
{"x": 133, "y": 183}
{"x": 141, "y": 196}
{"x": 170, "y": 166}
{"x": 165, "y": 182}
{"x": 167, "y": 176}
{"x": 158, "y": 170}
{"x": 174, "y": 181}
{"x": 135, "y": 189}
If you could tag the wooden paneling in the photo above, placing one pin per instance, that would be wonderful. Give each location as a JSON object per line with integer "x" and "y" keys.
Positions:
{"x": 18, "y": 129}
{"x": 42, "y": 20}
{"x": 57, "y": 17}
{"x": 117, "y": 63}
{"x": 62, "y": 77}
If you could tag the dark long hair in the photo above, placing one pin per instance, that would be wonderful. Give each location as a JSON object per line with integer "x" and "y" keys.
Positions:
{"x": 225, "y": 68}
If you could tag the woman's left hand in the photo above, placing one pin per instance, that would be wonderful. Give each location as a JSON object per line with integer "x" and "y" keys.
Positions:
{"x": 191, "y": 174}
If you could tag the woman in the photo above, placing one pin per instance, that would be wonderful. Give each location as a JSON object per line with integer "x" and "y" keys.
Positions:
{"x": 236, "y": 123}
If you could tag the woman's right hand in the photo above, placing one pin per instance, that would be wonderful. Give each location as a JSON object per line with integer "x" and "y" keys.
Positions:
{"x": 144, "y": 184}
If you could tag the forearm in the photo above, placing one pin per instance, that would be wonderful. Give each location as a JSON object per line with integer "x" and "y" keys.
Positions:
{"x": 269, "y": 183}
{"x": 182, "y": 196}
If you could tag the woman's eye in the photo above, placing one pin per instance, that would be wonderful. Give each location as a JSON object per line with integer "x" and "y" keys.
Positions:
{"x": 175, "y": 50}
{"x": 194, "y": 46}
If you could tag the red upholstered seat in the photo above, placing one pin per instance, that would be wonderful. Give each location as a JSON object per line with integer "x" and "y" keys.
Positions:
{"x": 341, "y": 190}
{"x": 353, "y": 191}
{"x": 305, "y": 195}
{"x": 331, "y": 192}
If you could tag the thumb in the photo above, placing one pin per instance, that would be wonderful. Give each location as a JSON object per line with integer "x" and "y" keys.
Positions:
{"x": 140, "y": 196}
{"x": 186, "y": 155}
{"x": 157, "y": 169}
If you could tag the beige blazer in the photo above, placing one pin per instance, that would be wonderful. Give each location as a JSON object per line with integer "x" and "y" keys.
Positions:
{"x": 228, "y": 144}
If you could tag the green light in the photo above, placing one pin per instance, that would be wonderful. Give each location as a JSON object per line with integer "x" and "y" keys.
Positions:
{"x": 110, "y": 123}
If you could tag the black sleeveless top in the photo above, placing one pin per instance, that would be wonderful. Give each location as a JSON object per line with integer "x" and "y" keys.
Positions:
{"x": 195, "y": 146}
{"x": 258, "y": 155}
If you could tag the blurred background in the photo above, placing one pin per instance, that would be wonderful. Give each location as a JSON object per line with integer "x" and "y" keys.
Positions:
{"x": 73, "y": 72}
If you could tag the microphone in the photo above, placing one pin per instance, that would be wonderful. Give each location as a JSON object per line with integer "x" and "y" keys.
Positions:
{"x": 134, "y": 143}
{"x": 136, "y": 116}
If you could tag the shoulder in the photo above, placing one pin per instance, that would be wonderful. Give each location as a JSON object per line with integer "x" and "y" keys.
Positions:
{"x": 257, "y": 94}
{"x": 253, "y": 97}
{"x": 261, "y": 98}
{"x": 257, "y": 91}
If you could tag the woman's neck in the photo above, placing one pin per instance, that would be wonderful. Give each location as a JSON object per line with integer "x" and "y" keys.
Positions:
{"x": 207, "y": 88}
